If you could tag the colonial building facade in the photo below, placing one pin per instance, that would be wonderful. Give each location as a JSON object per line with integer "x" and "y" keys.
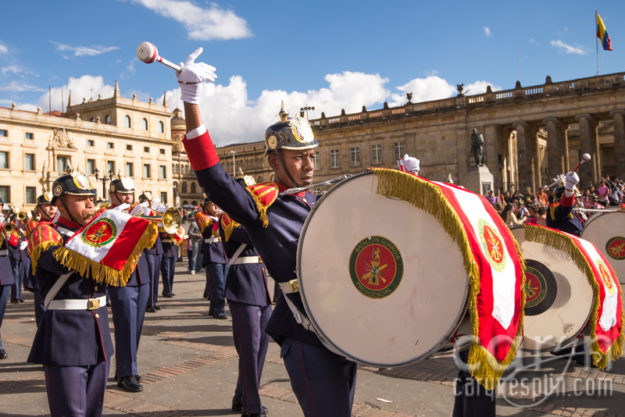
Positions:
{"x": 103, "y": 138}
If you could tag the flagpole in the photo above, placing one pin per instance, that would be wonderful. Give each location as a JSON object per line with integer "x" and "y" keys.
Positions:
{"x": 596, "y": 42}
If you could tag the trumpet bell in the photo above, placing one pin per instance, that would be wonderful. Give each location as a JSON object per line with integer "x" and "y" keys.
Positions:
{"x": 171, "y": 220}
{"x": 22, "y": 215}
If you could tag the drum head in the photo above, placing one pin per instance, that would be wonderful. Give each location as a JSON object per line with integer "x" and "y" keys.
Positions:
{"x": 607, "y": 232}
{"x": 558, "y": 296}
{"x": 380, "y": 279}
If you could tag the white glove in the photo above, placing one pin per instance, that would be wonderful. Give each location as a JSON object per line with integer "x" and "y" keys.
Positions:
{"x": 571, "y": 180}
{"x": 192, "y": 75}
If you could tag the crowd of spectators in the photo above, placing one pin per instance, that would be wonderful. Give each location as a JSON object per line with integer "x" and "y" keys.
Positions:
{"x": 530, "y": 206}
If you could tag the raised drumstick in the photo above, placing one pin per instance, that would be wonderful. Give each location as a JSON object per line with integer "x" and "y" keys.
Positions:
{"x": 148, "y": 53}
{"x": 585, "y": 158}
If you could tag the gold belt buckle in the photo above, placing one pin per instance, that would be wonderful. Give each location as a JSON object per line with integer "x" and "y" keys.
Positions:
{"x": 294, "y": 285}
{"x": 93, "y": 304}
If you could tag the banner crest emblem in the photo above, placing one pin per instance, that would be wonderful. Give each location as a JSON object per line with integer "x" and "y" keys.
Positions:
{"x": 492, "y": 245}
{"x": 100, "y": 233}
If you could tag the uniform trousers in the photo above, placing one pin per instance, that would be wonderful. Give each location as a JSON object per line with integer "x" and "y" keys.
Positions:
{"x": 18, "y": 273}
{"x": 154, "y": 262}
{"x": 250, "y": 340}
{"x": 128, "y": 305}
{"x": 168, "y": 267}
{"x": 216, "y": 279}
{"x": 40, "y": 307}
{"x": 5, "y": 290}
{"x": 76, "y": 391}
{"x": 472, "y": 399}
{"x": 323, "y": 382}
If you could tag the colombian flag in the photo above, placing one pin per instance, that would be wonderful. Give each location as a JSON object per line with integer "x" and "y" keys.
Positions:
{"x": 602, "y": 34}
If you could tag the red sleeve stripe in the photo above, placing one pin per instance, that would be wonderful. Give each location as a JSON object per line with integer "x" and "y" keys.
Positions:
{"x": 201, "y": 152}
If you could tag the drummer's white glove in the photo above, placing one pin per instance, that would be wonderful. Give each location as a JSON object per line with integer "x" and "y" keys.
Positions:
{"x": 192, "y": 75}
{"x": 570, "y": 181}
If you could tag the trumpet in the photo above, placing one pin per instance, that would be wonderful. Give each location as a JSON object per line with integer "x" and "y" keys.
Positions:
{"x": 171, "y": 220}
{"x": 22, "y": 215}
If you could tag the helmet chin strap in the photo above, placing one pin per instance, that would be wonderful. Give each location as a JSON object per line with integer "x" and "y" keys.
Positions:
{"x": 288, "y": 174}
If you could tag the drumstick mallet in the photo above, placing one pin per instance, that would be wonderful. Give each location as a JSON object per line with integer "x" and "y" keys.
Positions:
{"x": 585, "y": 158}
{"x": 148, "y": 53}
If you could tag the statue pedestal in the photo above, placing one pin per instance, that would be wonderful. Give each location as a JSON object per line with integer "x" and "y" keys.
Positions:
{"x": 479, "y": 180}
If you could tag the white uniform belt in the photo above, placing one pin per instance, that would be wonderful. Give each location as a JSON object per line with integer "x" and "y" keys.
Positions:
{"x": 78, "y": 304}
{"x": 289, "y": 287}
{"x": 4, "y": 252}
{"x": 248, "y": 260}
{"x": 166, "y": 240}
{"x": 212, "y": 239}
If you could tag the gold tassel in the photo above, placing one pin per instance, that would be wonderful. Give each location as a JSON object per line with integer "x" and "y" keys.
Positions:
{"x": 262, "y": 209}
{"x": 229, "y": 228}
{"x": 430, "y": 198}
{"x": 37, "y": 251}
{"x": 104, "y": 274}
{"x": 566, "y": 244}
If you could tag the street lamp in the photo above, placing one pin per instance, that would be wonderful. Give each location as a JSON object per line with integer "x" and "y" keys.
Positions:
{"x": 305, "y": 109}
{"x": 234, "y": 162}
{"x": 104, "y": 178}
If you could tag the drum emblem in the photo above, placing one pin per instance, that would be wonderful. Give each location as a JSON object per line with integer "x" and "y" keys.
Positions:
{"x": 605, "y": 277}
{"x": 492, "y": 245}
{"x": 376, "y": 267}
{"x": 616, "y": 247}
{"x": 100, "y": 233}
{"x": 540, "y": 288}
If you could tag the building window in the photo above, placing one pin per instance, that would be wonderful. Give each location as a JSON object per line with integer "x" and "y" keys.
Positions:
{"x": 376, "y": 154}
{"x": 90, "y": 166}
{"x": 91, "y": 143}
{"x": 107, "y": 119}
{"x": 184, "y": 187}
{"x": 92, "y": 119}
{"x": 334, "y": 158}
{"x": 5, "y": 193}
{"x": 162, "y": 172}
{"x": 398, "y": 149}
{"x": 129, "y": 147}
{"x": 144, "y": 123}
{"x": 31, "y": 195}
{"x": 162, "y": 151}
{"x": 193, "y": 187}
{"x": 127, "y": 122}
{"x": 62, "y": 163}
{"x": 354, "y": 157}
{"x": 110, "y": 145}
{"x": 146, "y": 171}
{"x": 110, "y": 167}
{"x": 163, "y": 197}
{"x": 146, "y": 149}
{"x": 130, "y": 169}
{"x": 316, "y": 159}
{"x": 161, "y": 127}
{"x": 30, "y": 135}
{"x": 29, "y": 162}
{"x": 4, "y": 132}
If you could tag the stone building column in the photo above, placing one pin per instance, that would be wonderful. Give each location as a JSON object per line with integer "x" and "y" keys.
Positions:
{"x": 619, "y": 143}
{"x": 589, "y": 172}
{"x": 555, "y": 147}
{"x": 495, "y": 152}
{"x": 527, "y": 154}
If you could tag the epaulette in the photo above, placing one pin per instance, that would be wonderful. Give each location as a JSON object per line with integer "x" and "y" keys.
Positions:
{"x": 228, "y": 225}
{"x": 264, "y": 194}
{"x": 42, "y": 237}
{"x": 202, "y": 221}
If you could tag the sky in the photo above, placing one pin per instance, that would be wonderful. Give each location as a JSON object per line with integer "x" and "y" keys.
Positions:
{"x": 330, "y": 55}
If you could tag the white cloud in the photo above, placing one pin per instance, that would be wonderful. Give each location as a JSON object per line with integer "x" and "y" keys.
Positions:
{"x": 11, "y": 69}
{"x": 87, "y": 87}
{"x": 430, "y": 88}
{"x": 3, "y": 49}
{"x": 487, "y": 31}
{"x": 201, "y": 24}
{"x": 84, "y": 50}
{"x": 18, "y": 87}
{"x": 568, "y": 49}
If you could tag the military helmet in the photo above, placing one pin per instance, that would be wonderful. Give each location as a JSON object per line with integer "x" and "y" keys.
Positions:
{"x": 43, "y": 199}
{"x": 122, "y": 185}
{"x": 145, "y": 196}
{"x": 72, "y": 184}
{"x": 292, "y": 133}
{"x": 558, "y": 192}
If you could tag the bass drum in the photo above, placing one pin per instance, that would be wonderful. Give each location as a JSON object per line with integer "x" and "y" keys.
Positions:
{"x": 607, "y": 232}
{"x": 558, "y": 296}
{"x": 381, "y": 281}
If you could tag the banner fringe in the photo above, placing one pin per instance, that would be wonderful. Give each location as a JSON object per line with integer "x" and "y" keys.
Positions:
{"x": 484, "y": 367}
{"x": 564, "y": 243}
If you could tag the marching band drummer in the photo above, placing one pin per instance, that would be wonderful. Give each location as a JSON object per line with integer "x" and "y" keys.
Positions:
{"x": 323, "y": 382}
{"x": 73, "y": 340}
{"x": 128, "y": 303}
{"x": 45, "y": 212}
{"x": 560, "y": 215}
{"x": 154, "y": 256}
